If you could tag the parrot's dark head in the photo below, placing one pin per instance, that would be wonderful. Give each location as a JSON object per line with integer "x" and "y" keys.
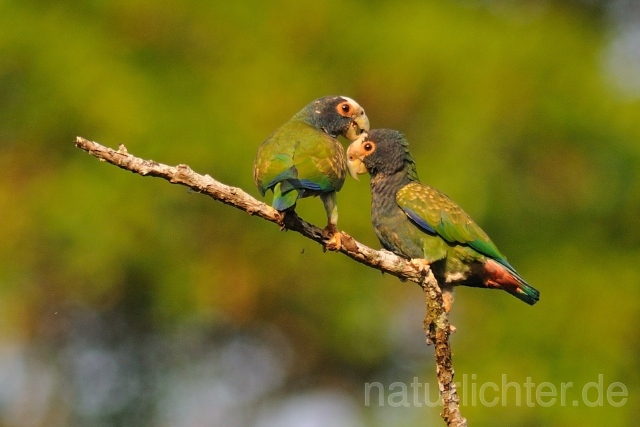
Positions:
{"x": 381, "y": 152}
{"x": 336, "y": 115}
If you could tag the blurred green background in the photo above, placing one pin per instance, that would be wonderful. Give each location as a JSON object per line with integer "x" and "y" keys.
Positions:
{"x": 127, "y": 301}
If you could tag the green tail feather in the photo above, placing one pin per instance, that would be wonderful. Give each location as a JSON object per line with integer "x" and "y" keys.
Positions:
{"x": 284, "y": 200}
{"x": 527, "y": 293}
{"x": 522, "y": 290}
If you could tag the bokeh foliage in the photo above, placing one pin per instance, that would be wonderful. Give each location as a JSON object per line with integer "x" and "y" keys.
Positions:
{"x": 507, "y": 109}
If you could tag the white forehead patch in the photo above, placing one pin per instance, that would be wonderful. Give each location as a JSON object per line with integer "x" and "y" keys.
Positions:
{"x": 360, "y": 139}
{"x": 351, "y": 101}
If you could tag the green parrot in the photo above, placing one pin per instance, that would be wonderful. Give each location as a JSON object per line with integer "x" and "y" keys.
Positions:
{"x": 420, "y": 222}
{"x": 303, "y": 157}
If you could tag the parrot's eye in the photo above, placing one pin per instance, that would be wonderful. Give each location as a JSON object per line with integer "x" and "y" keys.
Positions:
{"x": 344, "y": 109}
{"x": 368, "y": 146}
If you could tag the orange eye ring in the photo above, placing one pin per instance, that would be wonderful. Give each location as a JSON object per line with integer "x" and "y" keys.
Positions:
{"x": 344, "y": 109}
{"x": 368, "y": 146}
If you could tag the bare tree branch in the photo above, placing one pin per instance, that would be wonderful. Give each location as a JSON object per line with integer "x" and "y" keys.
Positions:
{"x": 436, "y": 322}
{"x": 437, "y": 327}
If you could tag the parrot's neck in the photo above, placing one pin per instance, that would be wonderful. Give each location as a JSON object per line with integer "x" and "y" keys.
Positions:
{"x": 312, "y": 117}
{"x": 385, "y": 186}
{"x": 305, "y": 117}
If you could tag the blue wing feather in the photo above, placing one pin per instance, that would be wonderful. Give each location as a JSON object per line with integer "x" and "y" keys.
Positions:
{"x": 419, "y": 221}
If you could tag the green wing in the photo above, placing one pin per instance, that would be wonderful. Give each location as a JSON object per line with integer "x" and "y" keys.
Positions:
{"x": 303, "y": 156}
{"x": 435, "y": 213}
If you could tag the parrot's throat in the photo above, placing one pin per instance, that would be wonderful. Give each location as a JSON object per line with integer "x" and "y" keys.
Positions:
{"x": 384, "y": 188}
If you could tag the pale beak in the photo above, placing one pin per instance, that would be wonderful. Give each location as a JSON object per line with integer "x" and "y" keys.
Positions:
{"x": 354, "y": 160}
{"x": 359, "y": 124}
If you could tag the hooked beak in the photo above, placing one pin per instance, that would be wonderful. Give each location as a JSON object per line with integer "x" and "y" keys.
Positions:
{"x": 354, "y": 157}
{"x": 359, "y": 124}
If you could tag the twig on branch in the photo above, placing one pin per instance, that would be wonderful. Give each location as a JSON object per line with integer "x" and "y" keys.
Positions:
{"x": 436, "y": 321}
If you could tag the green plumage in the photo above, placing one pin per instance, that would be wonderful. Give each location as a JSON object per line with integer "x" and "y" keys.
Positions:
{"x": 435, "y": 213}
{"x": 303, "y": 157}
{"x": 300, "y": 161}
{"x": 418, "y": 221}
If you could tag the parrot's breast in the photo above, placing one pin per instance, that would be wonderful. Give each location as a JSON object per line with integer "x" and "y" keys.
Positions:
{"x": 392, "y": 226}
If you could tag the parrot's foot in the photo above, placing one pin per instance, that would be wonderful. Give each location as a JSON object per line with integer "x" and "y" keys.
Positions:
{"x": 289, "y": 216}
{"x": 331, "y": 238}
{"x": 447, "y": 299}
{"x": 421, "y": 264}
{"x": 280, "y": 219}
